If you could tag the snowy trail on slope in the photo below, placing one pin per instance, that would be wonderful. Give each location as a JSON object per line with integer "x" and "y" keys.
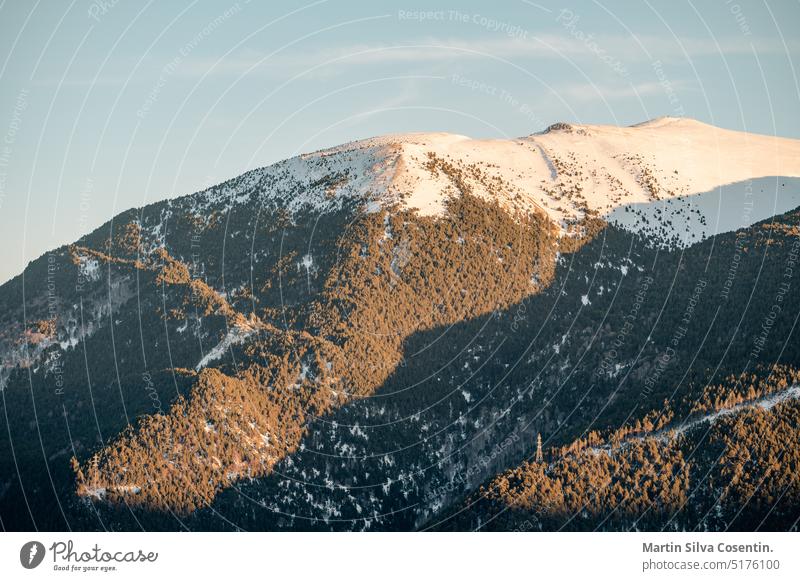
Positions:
{"x": 667, "y": 434}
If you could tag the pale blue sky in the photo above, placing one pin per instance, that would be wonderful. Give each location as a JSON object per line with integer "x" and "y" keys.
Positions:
{"x": 106, "y": 106}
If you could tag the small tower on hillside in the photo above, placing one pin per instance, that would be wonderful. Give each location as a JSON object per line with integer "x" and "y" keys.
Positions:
{"x": 539, "y": 455}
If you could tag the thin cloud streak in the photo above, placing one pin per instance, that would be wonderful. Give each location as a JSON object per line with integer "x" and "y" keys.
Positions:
{"x": 438, "y": 50}
{"x": 541, "y": 47}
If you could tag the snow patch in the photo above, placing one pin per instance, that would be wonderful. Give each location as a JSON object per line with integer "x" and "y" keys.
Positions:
{"x": 236, "y": 335}
{"x": 89, "y": 268}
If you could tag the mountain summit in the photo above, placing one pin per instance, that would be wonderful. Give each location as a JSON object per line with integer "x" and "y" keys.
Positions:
{"x": 569, "y": 171}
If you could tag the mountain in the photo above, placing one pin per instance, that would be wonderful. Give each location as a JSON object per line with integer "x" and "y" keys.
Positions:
{"x": 371, "y": 337}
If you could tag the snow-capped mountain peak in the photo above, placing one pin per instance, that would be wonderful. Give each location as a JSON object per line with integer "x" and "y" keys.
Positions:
{"x": 669, "y": 166}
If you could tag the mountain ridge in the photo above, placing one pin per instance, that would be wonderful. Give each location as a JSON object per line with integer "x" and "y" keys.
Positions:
{"x": 568, "y": 173}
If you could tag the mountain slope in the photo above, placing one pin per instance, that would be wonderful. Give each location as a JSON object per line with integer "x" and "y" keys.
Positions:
{"x": 599, "y": 348}
{"x": 732, "y": 468}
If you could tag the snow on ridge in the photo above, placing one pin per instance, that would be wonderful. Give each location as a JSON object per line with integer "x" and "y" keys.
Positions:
{"x": 568, "y": 172}
{"x": 237, "y": 334}
{"x": 321, "y": 182}
{"x": 672, "y": 432}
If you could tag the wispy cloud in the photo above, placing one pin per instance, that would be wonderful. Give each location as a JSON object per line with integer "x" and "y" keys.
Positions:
{"x": 330, "y": 61}
{"x": 551, "y": 46}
